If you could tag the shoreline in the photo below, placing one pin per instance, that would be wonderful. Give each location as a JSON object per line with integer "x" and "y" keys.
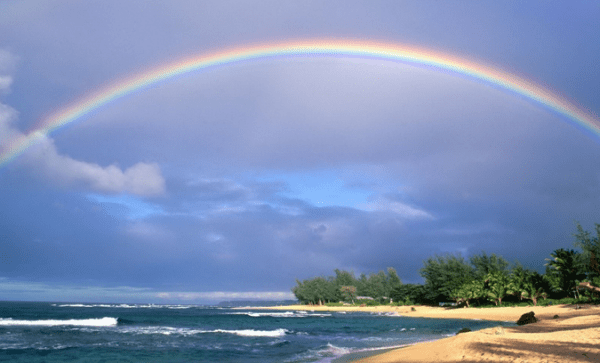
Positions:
{"x": 572, "y": 337}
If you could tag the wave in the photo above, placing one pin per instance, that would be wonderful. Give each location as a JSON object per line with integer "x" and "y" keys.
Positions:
{"x": 253, "y": 333}
{"x": 103, "y": 322}
{"x": 286, "y": 314}
{"x": 165, "y": 330}
{"x": 125, "y": 306}
{"x": 327, "y": 354}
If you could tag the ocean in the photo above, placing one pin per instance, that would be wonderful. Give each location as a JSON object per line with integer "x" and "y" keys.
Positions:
{"x": 60, "y": 332}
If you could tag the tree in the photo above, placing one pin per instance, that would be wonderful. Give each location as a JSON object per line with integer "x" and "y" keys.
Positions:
{"x": 518, "y": 277}
{"x": 497, "y": 286}
{"x": 591, "y": 250}
{"x": 444, "y": 275}
{"x": 409, "y": 294}
{"x": 376, "y": 285}
{"x": 527, "y": 284}
{"x": 484, "y": 264}
{"x": 533, "y": 293}
{"x": 349, "y": 293}
{"x": 470, "y": 291}
{"x": 563, "y": 270}
{"x": 344, "y": 278}
{"x": 393, "y": 281}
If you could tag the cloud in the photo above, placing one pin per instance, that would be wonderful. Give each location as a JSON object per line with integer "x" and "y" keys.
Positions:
{"x": 401, "y": 209}
{"x": 140, "y": 179}
{"x": 43, "y": 158}
{"x": 12, "y": 289}
{"x": 225, "y": 295}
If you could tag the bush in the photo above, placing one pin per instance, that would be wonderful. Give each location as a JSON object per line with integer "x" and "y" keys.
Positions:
{"x": 367, "y": 302}
{"x": 334, "y": 304}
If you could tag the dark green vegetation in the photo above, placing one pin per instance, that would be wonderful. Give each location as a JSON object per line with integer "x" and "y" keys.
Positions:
{"x": 484, "y": 280}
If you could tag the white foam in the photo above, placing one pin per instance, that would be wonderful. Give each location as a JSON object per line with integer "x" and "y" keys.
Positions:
{"x": 165, "y": 330}
{"x": 124, "y": 306}
{"x": 336, "y": 351}
{"x": 286, "y": 314}
{"x": 71, "y": 322}
{"x": 252, "y": 332}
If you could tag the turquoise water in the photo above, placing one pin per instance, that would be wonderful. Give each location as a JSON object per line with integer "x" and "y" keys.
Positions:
{"x": 55, "y": 332}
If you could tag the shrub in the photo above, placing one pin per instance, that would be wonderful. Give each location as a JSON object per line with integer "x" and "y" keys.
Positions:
{"x": 368, "y": 302}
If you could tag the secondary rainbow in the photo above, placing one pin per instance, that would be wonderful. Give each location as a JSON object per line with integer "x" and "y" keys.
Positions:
{"x": 360, "y": 49}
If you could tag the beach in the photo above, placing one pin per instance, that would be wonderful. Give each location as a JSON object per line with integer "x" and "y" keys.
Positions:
{"x": 572, "y": 337}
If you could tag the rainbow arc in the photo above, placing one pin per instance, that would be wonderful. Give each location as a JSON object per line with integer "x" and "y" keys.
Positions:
{"x": 361, "y": 49}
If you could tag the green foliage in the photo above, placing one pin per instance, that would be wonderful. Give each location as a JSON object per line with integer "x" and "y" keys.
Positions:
{"x": 368, "y": 302}
{"x": 497, "y": 286}
{"x": 484, "y": 264}
{"x": 527, "y": 284}
{"x": 408, "y": 294}
{"x": 349, "y": 293}
{"x": 591, "y": 250}
{"x": 444, "y": 275}
{"x": 563, "y": 271}
{"x": 470, "y": 291}
{"x": 344, "y": 286}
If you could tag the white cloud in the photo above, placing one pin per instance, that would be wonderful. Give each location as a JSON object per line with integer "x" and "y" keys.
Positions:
{"x": 44, "y": 158}
{"x": 139, "y": 179}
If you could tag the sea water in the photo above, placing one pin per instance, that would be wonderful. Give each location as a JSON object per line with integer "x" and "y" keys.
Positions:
{"x": 60, "y": 332}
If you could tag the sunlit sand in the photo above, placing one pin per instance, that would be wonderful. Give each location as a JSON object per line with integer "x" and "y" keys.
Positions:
{"x": 572, "y": 337}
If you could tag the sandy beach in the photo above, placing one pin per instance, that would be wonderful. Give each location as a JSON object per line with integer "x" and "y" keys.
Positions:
{"x": 573, "y": 337}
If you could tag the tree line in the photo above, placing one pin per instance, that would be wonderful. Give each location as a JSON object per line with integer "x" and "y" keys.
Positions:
{"x": 482, "y": 279}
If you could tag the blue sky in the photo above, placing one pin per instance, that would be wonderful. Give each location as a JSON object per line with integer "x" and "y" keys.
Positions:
{"x": 233, "y": 182}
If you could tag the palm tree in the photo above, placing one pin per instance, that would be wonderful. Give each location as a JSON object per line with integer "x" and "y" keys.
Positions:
{"x": 498, "y": 286}
{"x": 532, "y": 292}
{"x": 471, "y": 291}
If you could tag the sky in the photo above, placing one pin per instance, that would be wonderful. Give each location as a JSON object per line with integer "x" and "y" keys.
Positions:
{"x": 234, "y": 181}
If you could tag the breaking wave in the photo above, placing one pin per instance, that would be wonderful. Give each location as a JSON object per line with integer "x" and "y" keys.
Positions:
{"x": 286, "y": 314}
{"x": 165, "y": 330}
{"x": 125, "y": 306}
{"x": 71, "y": 322}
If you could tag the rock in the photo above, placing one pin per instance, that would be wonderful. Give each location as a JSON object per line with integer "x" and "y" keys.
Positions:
{"x": 527, "y": 318}
{"x": 463, "y": 330}
{"x": 555, "y": 317}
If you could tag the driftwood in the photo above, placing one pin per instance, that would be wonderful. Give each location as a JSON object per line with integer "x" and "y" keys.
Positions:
{"x": 587, "y": 285}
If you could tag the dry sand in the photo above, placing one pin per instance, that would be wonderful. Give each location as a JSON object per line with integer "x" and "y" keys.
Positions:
{"x": 573, "y": 337}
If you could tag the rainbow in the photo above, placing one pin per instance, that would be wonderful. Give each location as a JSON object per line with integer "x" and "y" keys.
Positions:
{"x": 347, "y": 48}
